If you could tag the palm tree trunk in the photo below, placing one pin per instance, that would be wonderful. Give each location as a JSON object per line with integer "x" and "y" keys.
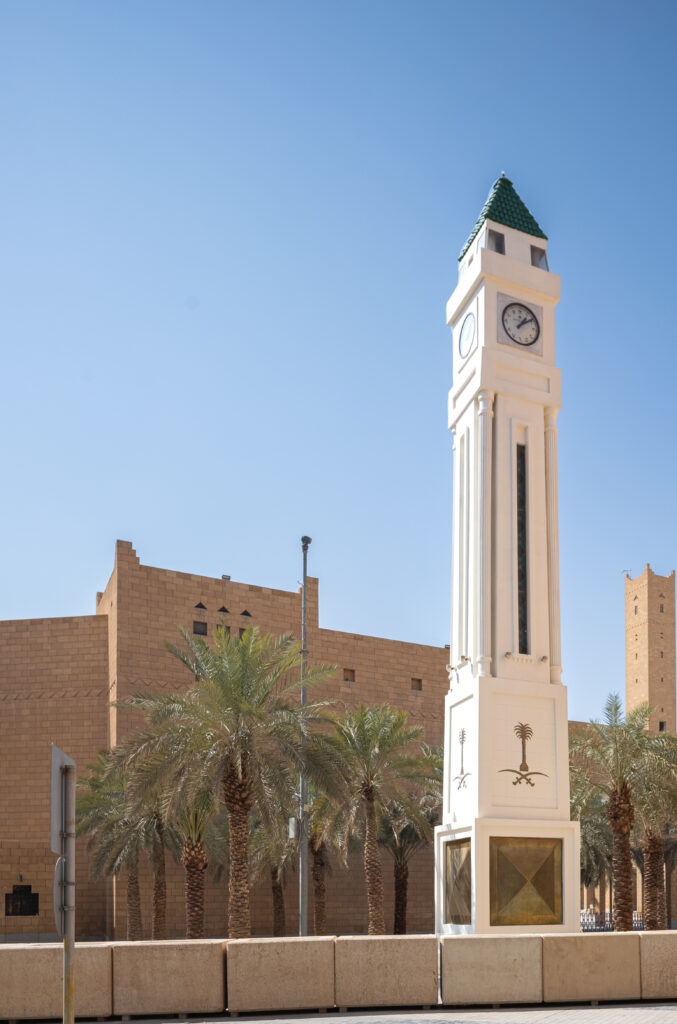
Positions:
{"x": 194, "y": 860}
{"x": 279, "y": 920}
{"x": 372, "y": 868}
{"x": 401, "y": 878}
{"x": 237, "y": 796}
{"x": 226, "y": 919}
{"x": 610, "y": 873}
{"x": 602, "y": 891}
{"x": 651, "y": 867}
{"x": 660, "y": 866}
{"x": 621, "y": 816}
{"x": 159, "y": 922}
{"x": 134, "y": 922}
{"x": 319, "y": 887}
{"x": 668, "y": 893}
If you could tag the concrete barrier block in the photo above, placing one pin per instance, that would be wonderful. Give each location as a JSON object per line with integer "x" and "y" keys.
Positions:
{"x": 658, "y": 959}
{"x": 172, "y": 976}
{"x": 388, "y": 970}
{"x": 31, "y": 984}
{"x": 578, "y": 968}
{"x": 280, "y": 974}
{"x": 480, "y": 969}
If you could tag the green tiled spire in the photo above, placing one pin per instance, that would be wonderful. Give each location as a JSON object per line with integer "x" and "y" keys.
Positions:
{"x": 505, "y": 207}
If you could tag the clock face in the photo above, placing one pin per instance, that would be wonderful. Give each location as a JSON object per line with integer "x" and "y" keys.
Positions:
{"x": 520, "y": 324}
{"x": 465, "y": 338}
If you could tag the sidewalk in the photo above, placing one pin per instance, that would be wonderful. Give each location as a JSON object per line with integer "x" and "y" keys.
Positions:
{"x": 633, "y": 1013}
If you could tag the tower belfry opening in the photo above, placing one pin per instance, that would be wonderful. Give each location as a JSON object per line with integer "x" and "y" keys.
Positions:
{"x": 506, "y": 853}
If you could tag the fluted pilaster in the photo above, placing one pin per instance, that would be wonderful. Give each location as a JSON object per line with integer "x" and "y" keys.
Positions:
{"x": 551, "y": 499}
{"x": 485, "y": 407}
{"x": 455, "y": 566}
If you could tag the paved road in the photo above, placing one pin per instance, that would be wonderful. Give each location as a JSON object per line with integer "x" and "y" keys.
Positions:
{"x": 636, "y": 1013}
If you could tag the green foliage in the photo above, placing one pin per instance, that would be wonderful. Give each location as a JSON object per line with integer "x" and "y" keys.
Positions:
{"x": 373, "y": 746}
{"x": 116, "y": 833}
{"x": 588, "y": 805}
{"x": 243, "y": 711}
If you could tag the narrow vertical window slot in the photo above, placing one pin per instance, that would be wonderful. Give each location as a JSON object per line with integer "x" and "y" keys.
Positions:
{"x": 465, "y": 649}
{"x": 460, "y": 638}
{"x": 522, "y": 566}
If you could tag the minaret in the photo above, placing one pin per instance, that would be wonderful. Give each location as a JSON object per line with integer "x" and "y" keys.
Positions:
{"x": 650, "y": 647}
{"x": 506, "y": 853}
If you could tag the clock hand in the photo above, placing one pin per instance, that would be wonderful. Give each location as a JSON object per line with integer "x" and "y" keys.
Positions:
{"x": 527, "y": 320}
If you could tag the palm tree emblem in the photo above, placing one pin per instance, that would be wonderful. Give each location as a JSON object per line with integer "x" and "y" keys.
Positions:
{"x": 462, "y": 778}
{"x": 524, "y": 733}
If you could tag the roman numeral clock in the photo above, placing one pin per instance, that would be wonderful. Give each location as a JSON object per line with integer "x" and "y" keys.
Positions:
{"x": 506, "y": 853}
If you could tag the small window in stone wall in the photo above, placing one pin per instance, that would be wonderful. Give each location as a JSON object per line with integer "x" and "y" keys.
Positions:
{"x": 635, "y": 609}
{"x": 496, "y": 241}
{"x": 349, "y": 675}
{"x": 416, "y": 684}
{"x": 22, "y": 902}
{"x": 661, "y": 608}
{"x": 662, "y": 726}
{"x": 200, "y": 628}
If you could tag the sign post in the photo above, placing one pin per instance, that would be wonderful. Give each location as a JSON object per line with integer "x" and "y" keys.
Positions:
{"x": 63, "y": 843}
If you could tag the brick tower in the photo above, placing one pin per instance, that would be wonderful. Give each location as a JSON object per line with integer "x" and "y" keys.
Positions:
{"x": 650, "y": 646}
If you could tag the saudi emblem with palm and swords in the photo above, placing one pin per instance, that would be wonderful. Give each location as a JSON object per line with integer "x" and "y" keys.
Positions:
{"x": 523, "y": 732}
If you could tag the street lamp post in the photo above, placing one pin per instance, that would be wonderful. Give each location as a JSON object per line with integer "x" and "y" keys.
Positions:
{"x": 303, "y": 839}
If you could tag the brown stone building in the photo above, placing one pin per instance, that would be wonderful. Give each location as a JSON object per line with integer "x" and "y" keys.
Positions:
{"x": 59, "y": 676}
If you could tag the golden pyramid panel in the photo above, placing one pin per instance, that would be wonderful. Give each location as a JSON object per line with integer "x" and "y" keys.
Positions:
{"x": 458, "y": 882}
{"x": 525, "y": 881}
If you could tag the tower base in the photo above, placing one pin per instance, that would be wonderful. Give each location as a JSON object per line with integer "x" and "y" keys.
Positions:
{"x": 503, "y": 875}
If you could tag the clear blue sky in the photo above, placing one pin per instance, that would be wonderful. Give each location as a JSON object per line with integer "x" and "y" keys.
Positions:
{"x": 229, "y": 231}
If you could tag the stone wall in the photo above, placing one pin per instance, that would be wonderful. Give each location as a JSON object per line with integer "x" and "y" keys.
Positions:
{"x": 214, "y": 976}
{"x": 53, "y": 689}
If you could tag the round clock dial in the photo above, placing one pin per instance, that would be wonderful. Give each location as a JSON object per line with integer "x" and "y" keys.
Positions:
{"x": 520, "y": 324}
{"x": 467, "y": 335}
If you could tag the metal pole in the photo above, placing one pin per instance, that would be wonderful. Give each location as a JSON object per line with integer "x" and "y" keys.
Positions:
{"x": 303, "y": 839}
{"x": 68, "y": 893}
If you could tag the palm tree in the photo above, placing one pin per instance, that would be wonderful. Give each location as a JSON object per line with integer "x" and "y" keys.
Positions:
{"x": 656, "y": 803}
{"x": 272, "y": 853}
{"x": 524, "y": 732}
{"x": 329, "y": 832}
{"x": 194, "y": 825}
{"x": 374, "y": 746}
{"x": 614, "y": 755}
{"x": 115, "y": 835}
{"x": 237, "y": 727}
{"x": 406, "y": 826}
{"x": 156, "y": 852}
{"x": 588, "y": 806}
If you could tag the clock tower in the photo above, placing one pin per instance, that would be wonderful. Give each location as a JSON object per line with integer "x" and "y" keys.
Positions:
{"x": 507, "y": 855}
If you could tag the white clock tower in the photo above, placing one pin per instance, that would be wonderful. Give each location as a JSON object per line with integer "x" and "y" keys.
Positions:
{"x": 507, "y": 855}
